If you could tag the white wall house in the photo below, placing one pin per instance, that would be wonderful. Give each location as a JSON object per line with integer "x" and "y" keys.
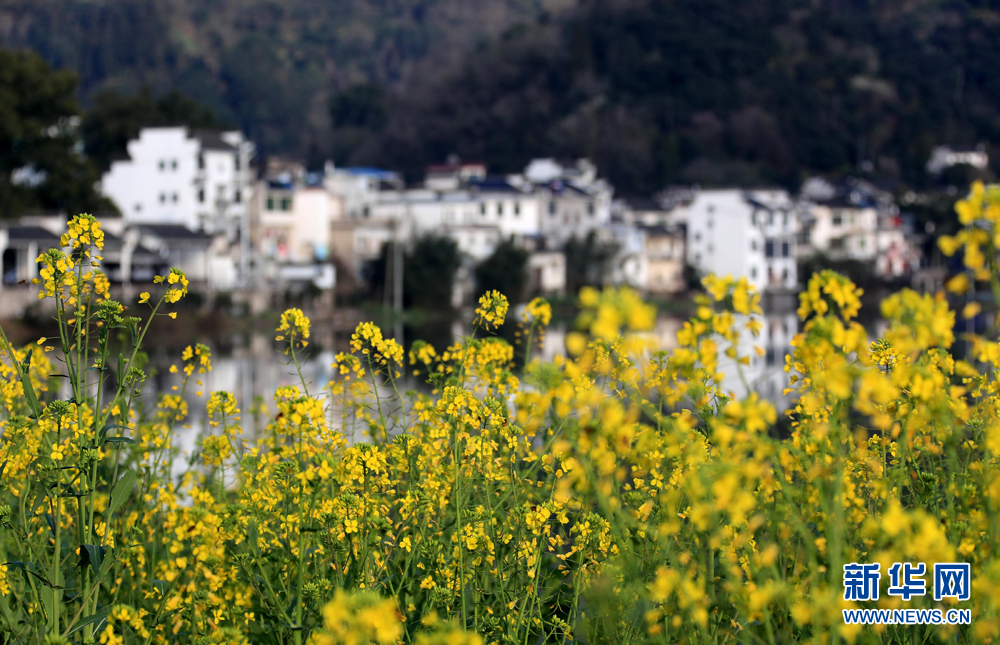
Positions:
{"x": 744, "y": 233}
{"x": 842, "y": 229}
{"x": 197, "y": 179}
{"x": 944, "y": 157}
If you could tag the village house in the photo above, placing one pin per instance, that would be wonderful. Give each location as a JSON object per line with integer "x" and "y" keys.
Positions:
{"x": 744, "y": 233}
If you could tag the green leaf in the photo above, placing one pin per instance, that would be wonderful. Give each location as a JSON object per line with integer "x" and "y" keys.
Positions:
{"x": 93, "y": 555}
{"x": 29, "y": 392}
{"x": 105, "y": 566}
{"x": 121, "y": 491}
{"x": 98, "y": 618}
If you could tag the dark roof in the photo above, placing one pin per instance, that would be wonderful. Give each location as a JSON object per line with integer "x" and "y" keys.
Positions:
{"x": 32, "y": 234}
{"x": 174, "y": 232}
{"x": 644, "y": 204}
{"x": 494, "y": 185}
{"x": 846, "y": 201}
{"x": 212, "y": 140}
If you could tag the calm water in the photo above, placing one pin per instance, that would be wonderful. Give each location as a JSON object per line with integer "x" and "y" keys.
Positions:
{"x": 253, "y": 369}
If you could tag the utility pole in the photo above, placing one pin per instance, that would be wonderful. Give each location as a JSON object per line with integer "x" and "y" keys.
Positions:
{"x": 397, "y": 281}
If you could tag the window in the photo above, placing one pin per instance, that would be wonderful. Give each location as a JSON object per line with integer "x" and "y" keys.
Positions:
{"x": 697, "y": 236}
{"x": 173, "y": 165}
{"x": 137, "y": 208}
{"x": 753, "y": 272}
{"x": 552, "y": 208}
{"x": 710, "y": 248}
{"x": 238, "y": 197}
{"x": 838, "y": 219}
{"x": 173, "y": 198}
{"x": 237, "y": 162}
{"x": 201, "y": 198}
{"x": 784, "y": 249}
{"x": 163, "y": 165}
{"x": 517, "y": 209}
{"x": 753, "y": 245}
{"x": 163, "y": 198}
{"x": 201, "y": 161}
{"x": 366, "y": 211}
{"x": 286, "y": 203}
{"x": 862, "y": 244}
{"x": 697, "y": 257}
{"x": 709, "y": 222}
{"x": 784, "y": 219}
{"x": 590, "y": 208}
{"x": 753, "y": 218}
{"x": 711, "y": 208}
{"x": 270, "y": 200}
{"x": 770, "y": 218}
{"x": 482, "y": 209}
{"x": 499, "y": 209}
{"x": 769, "y": 249}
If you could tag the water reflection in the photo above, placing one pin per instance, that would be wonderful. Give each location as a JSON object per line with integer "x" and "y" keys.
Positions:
{"x": 251, "y": 368}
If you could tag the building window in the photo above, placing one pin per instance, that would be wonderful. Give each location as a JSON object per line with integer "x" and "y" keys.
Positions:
{"x": 270, "y": 200}
{"x": 753, "y": 272}
{"x": 173, "y": 198}
{"x": 838, "y": 219}
{"x": 769, "y": 249}
{"x": 482, "y": 209}
{"x": 784, "y": 219}
{"x": 201, "y": 198}
{"x": 697, "y": 236}
{"x": 697, "y": 257}
{"x": 709, "y": 222}
{"x": 137, "y": 208}
{"x": 590, "y": 208}
{"x": 753, "y": 218}
{"x": 237, "y": 162}
{"x": 238, "y": 197}
{"x": 499, "y": 209}
{"x": 517, "y": 209}
{"x": 711, "y": 248}
{"x": 784, "y": 249}
{"x": 286, "y": 203}
{"x": 173, "y": 164}
{"x": 201, "y": 161}
{"x": 552, "y": 208}
{"x": 770, "y": 218}
{"x": 753, "y": 245}
{"x": 163, "y": 165}
{"x": 163, "y": 198}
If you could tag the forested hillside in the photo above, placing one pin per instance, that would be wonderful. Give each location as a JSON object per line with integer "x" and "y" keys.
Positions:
{"x": 657, "y": 91}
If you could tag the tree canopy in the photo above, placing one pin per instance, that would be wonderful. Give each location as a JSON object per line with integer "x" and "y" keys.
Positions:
{"x": 41, "y": 165}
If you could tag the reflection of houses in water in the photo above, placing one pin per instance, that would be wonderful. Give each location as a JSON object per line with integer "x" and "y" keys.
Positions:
{"x": 765, "y": 374}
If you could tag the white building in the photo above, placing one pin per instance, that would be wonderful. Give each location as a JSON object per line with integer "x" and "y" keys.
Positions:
{"x": 744, "y": 233}
{"x": 650, "y": 259}
{"x": 198, "y": 179}
{"x": 944, "y": 157}
{"x": 843, "y": 227}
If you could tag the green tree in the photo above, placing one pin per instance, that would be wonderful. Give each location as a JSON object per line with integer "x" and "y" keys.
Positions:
{"x": 587, "y": 261}
{"x": 40, "y": 166}
{"x": 429, "y": 273}
{"x": 114, "y": 119}
{"x": 506, "y": 271}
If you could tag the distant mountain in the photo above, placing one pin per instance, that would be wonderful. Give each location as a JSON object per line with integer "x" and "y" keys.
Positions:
{"x": 268, "y": 65}
{"x": 656, "y": 91}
